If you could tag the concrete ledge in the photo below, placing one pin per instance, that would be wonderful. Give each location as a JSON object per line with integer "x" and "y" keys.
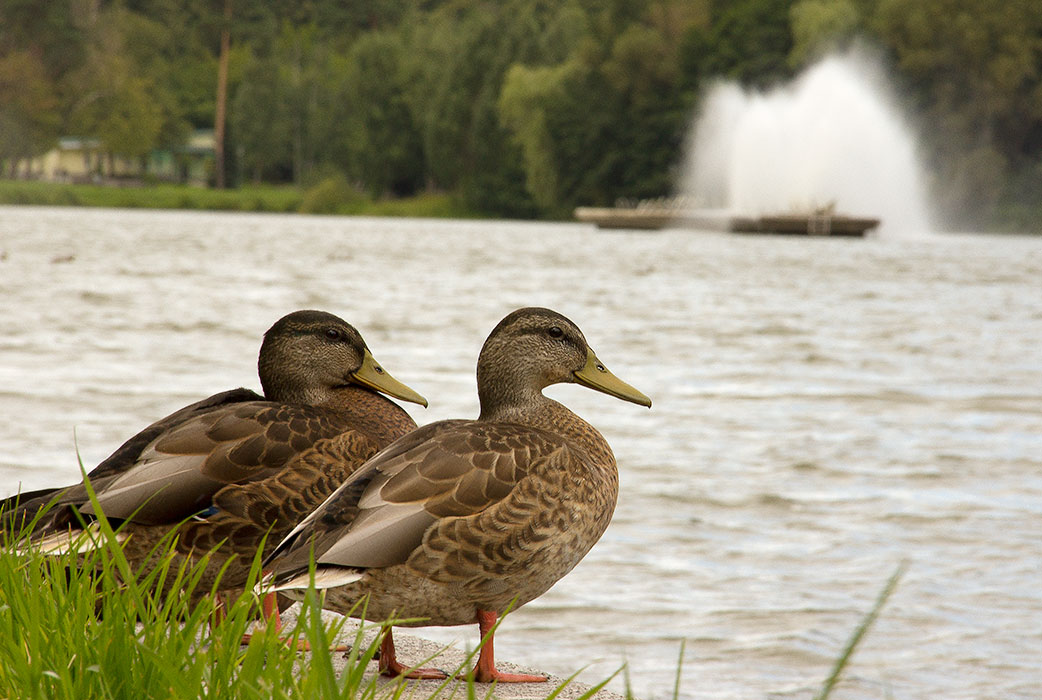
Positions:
{"x": 416, "y": 650}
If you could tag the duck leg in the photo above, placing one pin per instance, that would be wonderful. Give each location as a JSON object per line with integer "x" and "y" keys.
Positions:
{"x": 270, "y": 612}
{"x": 485, "y": 671}
{"x": 269, "y": 606}
{"x": 390, "y": 666}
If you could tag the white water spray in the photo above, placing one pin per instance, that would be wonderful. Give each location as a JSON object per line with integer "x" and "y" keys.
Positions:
{"x": 831, "y": 138}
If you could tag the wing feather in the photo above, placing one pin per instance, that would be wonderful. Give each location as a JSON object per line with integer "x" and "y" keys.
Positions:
{"x": 181, "y": 470}
{"x": 380, "y": 515}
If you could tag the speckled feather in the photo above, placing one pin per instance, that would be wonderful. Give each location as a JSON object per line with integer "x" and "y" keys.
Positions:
{"x": 234, "y": 469}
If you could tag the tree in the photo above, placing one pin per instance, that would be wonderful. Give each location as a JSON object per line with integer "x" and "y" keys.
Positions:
{"x": 220, "y": 113}
{"x": 527, "y": 95}
{"x": 976, "y": 76}
{"x": 381, "y": 143}
{"x": 151, "y": 51}
{"x": 821, "y": 26}
{"x": 459, "y": 57}
{"x": 29, "y": 121}
{"x": 117, "y": 109}
{"x": 52, "y": 31}
{"x": 608, "y": 122}
{"x": 260, "y": 118}
{"x": 115, "y": 101}
{"x": 746, "y": 40}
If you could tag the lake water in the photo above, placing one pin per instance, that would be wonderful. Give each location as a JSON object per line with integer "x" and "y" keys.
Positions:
{"x": 824, "y": 410}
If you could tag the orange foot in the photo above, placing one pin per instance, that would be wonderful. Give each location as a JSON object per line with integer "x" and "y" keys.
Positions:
{"x": 420, "y": 674}
{"x": 497, "y": 676}
{"x": 485, "y": 671}
{"x": 389, "y": 665}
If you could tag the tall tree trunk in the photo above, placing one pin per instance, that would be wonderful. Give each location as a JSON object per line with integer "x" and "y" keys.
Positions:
{"x": 222, "y": 97}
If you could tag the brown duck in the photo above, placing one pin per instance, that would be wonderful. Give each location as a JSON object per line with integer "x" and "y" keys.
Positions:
{"x": 460, "y": 520}
{"x": 238, "y": 469}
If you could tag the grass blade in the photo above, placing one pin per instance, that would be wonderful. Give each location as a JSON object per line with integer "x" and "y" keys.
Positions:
{"x": 859, "y": 633}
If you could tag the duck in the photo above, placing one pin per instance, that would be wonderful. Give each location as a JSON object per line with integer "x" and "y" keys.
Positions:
{"x": 462, "y": 520}
{"x": 235, "y": 472}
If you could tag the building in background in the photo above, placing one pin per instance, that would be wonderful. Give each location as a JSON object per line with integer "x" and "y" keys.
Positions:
{"x": 83, "y": 160}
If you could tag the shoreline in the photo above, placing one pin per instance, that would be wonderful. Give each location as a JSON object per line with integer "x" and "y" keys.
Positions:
{"x": 413, "y": 650}
{"x": 279, "y": 199}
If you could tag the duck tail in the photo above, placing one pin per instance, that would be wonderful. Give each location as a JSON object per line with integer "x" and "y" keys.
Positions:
{"x": 26, "y": 509}
{"x": 73, "y": 540}
{"x": 322, "y": 578}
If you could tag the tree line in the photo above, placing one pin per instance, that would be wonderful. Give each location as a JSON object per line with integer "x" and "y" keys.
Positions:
{"x": 521, "y": 107}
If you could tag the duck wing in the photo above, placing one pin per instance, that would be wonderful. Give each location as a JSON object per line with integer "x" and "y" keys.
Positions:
{"x": 25, "y": 505}
{"x": 379, "y": 515}
{"x": 179, "y": 471}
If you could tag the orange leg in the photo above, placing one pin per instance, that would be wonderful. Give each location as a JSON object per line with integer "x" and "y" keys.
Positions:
{"x": 485, "y": 670}
{"x": 389, "y": 665}
{"x": 218, "y": 612}
{"x": 270, "y": 611}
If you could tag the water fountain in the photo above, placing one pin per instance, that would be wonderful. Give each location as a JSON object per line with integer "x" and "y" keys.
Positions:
{"x": 832, "y": 139}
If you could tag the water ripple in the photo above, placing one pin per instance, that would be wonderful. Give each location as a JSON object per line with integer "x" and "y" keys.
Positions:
{"x": 818, "y": 418}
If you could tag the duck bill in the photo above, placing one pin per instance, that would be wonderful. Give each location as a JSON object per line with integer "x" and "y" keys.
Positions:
{"x": 372, "y": 375}
{"x": 596, "y": 376}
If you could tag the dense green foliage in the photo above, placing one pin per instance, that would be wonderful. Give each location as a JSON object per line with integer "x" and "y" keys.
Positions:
{"x": 519, "y": 108}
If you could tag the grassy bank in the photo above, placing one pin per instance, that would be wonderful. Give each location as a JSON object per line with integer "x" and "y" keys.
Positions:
{"x": 89, "y": 628}
{"x": 326, "y": 197}
{"x": 54, "y": 644}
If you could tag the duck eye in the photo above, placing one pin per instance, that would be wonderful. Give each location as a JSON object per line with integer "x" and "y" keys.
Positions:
{"x": 334, "y": 334}
{"x": 555, "y": 332}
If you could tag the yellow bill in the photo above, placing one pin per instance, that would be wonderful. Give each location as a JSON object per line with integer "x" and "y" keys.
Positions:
{"x": 596, "y": 376}
{"x": 372, "y": 375}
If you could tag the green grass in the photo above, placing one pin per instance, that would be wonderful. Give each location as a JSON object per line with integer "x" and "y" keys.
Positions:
{"x": 55, "y": 644}
{"x": 257, "y": 198}
{"x": 159, "y": 196}
{"x": 859, "y": 633}
{"x": 88, "y": 626}
{"x": 436, "y": 206}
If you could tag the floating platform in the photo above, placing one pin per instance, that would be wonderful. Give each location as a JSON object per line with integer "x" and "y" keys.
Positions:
{"x": 642, "y": 218}
{"x": 622, "y": 217}
{"x": 819, "y": 223}
{"x": 805, "y": 225}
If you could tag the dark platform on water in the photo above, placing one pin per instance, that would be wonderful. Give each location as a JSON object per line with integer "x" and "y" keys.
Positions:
{"x": 820, "y": 223}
